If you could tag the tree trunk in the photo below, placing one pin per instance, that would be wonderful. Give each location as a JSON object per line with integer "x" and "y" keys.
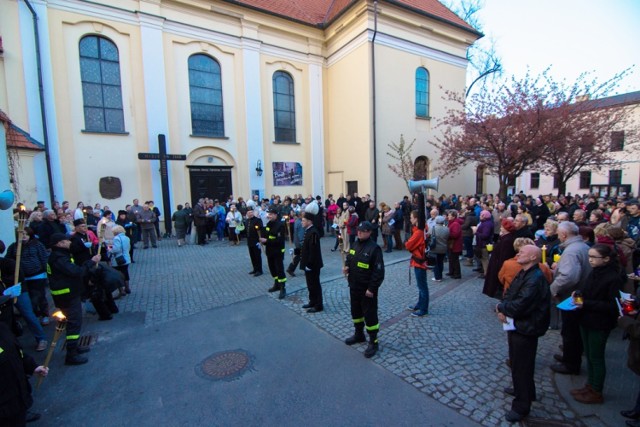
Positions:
{"x": 562, "y": 187}
{"x": 502, "y": 192}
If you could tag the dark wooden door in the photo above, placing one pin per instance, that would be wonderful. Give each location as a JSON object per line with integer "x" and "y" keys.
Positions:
{"x": 352, "y": 187}
{"x": 212, "y": 182}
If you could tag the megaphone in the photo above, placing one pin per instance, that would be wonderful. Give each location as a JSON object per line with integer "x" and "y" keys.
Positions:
{"x": 419, "y": 186}
{"x": 6, "y": 199}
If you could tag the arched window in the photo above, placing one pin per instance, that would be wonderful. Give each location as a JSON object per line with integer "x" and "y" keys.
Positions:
{"x": 421, "y": 168}
{"x": 284, "y": 109}
{"x": 422, "y": 92}
{"x": 101, "y": 91}
{"x": 205, "y": 93}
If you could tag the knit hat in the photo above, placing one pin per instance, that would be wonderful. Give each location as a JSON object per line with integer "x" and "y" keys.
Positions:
{"x": 311, "y": 210}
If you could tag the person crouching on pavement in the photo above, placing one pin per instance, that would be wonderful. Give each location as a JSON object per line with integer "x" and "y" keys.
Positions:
{"x": 311, "y": 259}
{"x": 527, "y": 303}
{"x": 15, "y": 367}
{"x": 66, "y": 281}
{"x": 364, "y": 268}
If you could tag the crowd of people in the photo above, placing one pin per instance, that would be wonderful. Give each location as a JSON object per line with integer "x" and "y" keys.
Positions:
{"x": 531, "y": 252}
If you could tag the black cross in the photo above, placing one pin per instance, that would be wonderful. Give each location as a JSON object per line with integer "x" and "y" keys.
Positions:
{"x": 164, "y": 176}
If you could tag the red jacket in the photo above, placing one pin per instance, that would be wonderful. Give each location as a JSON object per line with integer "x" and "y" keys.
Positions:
{"x": 455, "y": 235}
{"x": 416, "y": 246}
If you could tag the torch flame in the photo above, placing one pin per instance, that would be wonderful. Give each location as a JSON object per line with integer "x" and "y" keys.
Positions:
{"x": 59, "y": 316}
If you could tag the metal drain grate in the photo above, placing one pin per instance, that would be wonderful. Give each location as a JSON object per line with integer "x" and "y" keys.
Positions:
{"x": 84, "y": 341}
{"x": 225, "y": 365}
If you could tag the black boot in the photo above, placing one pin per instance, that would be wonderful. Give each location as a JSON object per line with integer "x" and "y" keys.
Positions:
{"x": 283, "y": 292}
{"x": 358, "y": 335}
{"x": 372, "y": 348}
{"x": 275, "y": 287}
{"x": 73, "y": 358}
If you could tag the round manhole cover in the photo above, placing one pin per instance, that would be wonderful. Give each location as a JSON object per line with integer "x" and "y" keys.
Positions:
{"x": 225, "y": 365}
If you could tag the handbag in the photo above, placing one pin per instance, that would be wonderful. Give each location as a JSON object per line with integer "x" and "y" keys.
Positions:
{"x": 120, "y": 260}
{"x": 433, "y": 242}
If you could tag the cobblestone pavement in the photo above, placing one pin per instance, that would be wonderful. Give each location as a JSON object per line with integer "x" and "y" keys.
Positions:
{"x": 456, "y": 354}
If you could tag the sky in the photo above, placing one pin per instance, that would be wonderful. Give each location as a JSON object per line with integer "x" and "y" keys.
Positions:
{"x": 572, "y": 36}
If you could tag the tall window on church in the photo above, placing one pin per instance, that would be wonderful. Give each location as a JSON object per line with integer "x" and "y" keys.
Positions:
{"x": 422, "y": 92}
{"x": 101, "y": 90}
{"x": 205, "y": 93}
{"x": 284, "y": 109}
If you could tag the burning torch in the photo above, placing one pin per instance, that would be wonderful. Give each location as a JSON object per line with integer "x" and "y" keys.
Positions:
{"x": 60, "y": 328}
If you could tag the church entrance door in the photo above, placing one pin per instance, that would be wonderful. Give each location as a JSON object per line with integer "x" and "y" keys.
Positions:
{"x": 213, "y": 182}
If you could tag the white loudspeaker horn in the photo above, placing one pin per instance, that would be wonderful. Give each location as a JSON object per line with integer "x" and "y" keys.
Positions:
{"x": 6, "y": 199}
{"x": 416, "y": 186}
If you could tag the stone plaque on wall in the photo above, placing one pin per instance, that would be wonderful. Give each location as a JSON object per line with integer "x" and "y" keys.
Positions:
{"x": 110, "y": 187}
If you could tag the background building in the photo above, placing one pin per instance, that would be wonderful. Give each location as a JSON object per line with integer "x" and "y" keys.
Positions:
{"x": 243, "y": 89}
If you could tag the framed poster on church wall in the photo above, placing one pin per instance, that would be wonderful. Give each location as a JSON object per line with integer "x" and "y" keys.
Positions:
{"x": 286, "y": 173}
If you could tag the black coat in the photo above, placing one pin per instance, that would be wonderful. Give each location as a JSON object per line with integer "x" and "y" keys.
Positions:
{"x": 502, "y": 251}
{"x": 310, "y": 254}
{"x": 600, "y": 311}
{"x": 252, "y": 226}
{"x": 275, "y": 237}
{"x": 15, "y": 366}
{"x": 66, "y": 279}
{"x": 527, "y": 302}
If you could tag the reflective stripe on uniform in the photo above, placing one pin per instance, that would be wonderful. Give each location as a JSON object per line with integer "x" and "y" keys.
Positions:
{"x": 358, "y": 320}
{"x": 73, "y": 337}
{"x": 48, "y": 269}
{"x": 267, "y": 228}
{"x": 374, "y": 327}
{"x": 282, "y": 280}
{"x": 362, "y": 265}
{"x": 61, "y": 291}
{"x": 352, "y": 251}
{"x": 282, "y": 250}
{"x": 1, "y": 350}
{"x": 272, "y": 237}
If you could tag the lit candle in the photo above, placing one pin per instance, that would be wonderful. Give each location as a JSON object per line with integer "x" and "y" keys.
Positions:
{"x": 544, "y": 253}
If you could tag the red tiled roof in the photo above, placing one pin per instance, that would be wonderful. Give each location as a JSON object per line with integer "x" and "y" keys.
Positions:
{"x": 17, "y": 138}
{"x": 320, "y": 13}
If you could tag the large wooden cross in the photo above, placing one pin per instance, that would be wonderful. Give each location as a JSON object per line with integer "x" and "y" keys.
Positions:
{"x": 164, "y": 177}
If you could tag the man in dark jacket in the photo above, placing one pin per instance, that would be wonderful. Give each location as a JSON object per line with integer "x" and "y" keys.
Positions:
{"x": 200, "y": 221}
{"x": 526, "y": 304}
{"x": 311, "y": 262}
{"x": 66, "y": 281}
{"x": 254, "y": 228}
{"x": 15, "y": 367}
{"x": 364, "y": 268}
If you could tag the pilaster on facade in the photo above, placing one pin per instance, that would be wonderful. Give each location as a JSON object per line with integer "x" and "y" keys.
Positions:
{"x": 155, "y": 91}
{"x": 253, "y": 113}
{"x": 36, "y": 116}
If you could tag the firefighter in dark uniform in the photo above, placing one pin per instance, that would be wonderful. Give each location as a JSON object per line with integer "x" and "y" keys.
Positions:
{"x": 254, "y": 225}
{"x": 66, "y": 281}
{"x": 274, "y": 242}
{"x": 311, "y": 258}
{"x": 364, "y": 268}
{"x": 15, "y": 369}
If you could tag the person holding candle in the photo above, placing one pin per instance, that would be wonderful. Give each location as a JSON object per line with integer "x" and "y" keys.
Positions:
{"x": 598, "y": 316}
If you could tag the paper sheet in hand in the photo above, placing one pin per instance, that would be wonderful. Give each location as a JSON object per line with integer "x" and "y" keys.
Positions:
{"x": 13, "y": 291}
{"x": 509, "y": 325}
{"x": 625, "y": 296}
{"x": 567, "y": 305}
